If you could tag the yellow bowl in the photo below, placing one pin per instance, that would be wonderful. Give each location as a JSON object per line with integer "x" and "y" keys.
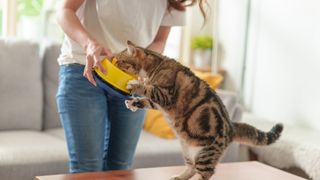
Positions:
{"x": 114, "y": 76}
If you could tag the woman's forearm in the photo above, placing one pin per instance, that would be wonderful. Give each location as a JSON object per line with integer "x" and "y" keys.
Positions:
{"x": 160, "y": 40}
{"x": 70, "y": 23}
{"x": 157, "y": 46}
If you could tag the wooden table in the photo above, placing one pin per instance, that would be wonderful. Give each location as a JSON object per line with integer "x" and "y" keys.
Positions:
{"x": 228, "y": 171}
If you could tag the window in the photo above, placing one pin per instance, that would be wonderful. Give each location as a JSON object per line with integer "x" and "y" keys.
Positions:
{"x": 1, "y": 16}
{"x": 172, "y": 48}
{"x": 35, "y": 19}
{"x": 29, "y": 19}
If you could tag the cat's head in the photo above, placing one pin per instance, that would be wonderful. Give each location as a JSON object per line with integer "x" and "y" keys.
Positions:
{"x": 137, "y": 61}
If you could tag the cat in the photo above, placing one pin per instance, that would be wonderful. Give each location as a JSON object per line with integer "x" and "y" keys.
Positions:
{"x": 193, "y": 109}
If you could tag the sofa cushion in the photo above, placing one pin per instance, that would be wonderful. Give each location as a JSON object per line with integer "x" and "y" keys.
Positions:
{"x": 25, "y": 154}
{"x": 50, "y": 85}
{"x": 56, "y": 132}
{"x": 21, "y": 87}
{"x": 153, "y": 151}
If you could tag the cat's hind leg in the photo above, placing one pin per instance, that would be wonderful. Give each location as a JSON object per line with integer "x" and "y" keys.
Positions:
{"x": 189, "y": 153}
{"x": 207, "y": 159}
{"x": 186, "y": 174}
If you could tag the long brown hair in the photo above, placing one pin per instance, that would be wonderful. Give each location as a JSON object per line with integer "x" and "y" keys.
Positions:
{"x": 182, "y": 4}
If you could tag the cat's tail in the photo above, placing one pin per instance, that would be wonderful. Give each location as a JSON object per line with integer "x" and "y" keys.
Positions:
{"x": 247, "y": 134}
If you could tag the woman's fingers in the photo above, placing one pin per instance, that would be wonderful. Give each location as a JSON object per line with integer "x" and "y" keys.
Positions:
{"x": 97, "y": 63}
{"x": 94, "y": 50}
{"x": 88, "y": 70}
{"x": 108, "y": 53}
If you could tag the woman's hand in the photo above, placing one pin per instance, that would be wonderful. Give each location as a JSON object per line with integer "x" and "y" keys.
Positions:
{"x": 93, "y": 52}
{"x": 71, "y": 25}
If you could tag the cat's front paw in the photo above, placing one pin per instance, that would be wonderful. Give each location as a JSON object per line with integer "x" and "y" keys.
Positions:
{"x": 134, "y": 104}
{"x": 132, "y": 83}
{"x": 129, "y": 105}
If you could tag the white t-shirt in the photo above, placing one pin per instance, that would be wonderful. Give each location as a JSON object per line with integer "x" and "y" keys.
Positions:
{"x": 113, "y": 22}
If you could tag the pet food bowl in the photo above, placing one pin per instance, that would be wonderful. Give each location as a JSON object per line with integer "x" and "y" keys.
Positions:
{"x": 114, "y": 82}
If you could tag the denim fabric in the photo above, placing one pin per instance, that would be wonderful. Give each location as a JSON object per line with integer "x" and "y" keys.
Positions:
{"x": 101, "y": 132}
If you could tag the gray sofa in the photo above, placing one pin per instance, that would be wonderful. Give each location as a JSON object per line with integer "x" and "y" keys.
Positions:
{"x": 31, "y": 138}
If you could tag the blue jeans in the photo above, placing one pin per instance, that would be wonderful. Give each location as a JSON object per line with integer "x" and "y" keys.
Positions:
{"x": 101, "y": 132}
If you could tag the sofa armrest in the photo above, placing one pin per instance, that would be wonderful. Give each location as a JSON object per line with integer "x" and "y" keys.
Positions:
{"x": 298, "y": 146}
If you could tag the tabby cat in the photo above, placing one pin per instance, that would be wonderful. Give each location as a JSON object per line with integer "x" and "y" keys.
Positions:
{"x": 192, "y": 108}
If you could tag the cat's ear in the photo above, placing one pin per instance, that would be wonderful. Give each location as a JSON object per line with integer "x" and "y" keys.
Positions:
{"x": 130, "y": 43}
{"x": 132, "y": 51}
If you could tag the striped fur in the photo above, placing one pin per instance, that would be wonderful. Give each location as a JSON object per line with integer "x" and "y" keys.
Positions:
{"x": 194, "y": 110}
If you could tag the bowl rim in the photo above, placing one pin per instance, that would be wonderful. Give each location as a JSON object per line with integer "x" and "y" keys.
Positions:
{"x": 106, "y": 77}
{"x": 105, "y": 83}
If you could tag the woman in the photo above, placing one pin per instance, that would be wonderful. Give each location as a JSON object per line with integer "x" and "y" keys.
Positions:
{"x": 101, "y": 132}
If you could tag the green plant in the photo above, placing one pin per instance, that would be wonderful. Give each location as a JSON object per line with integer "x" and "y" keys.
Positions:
{"x": 202, "y": 42}
{"x": 29, "y": 7}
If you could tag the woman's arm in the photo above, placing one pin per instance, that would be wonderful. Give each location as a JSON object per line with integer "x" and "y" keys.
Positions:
{"x": 71, "y": 25}
{"x": 160, "y": 40}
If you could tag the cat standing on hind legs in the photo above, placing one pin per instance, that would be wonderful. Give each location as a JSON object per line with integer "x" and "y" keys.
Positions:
{"x": 192, "y": 108}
